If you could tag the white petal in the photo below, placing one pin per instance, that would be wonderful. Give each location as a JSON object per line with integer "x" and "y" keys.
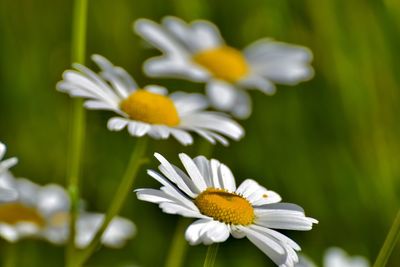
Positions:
{"x": 243, "y": 106}
{"x": 269, "y": 246}
{"x": 153, "y": 195}
{"x": 9, "y": 233}
{"x": 280, "y": 62}
{"x": 122, "y": 82}
{"x": 193, "y": 172}
{"x": 3, "y": 150}
{"x": 52, "y": 199}
{"x": 222, "y": 95}
{"x": 7, "y": 194}
{"x": 336, "y": 257}
{"x": 257, "y": 194}
{"x": 137, "y": 128}
{"x": 188, "y": 103}
{"x": 227, "y": 179}
{"x": 174, "y": 208}
{"x": 206, "y": 231}
{"x": 204, "y": 167}
{"x": 154, "y": 34}
{"x": 169, "y": 171}
{"x": 156, "y": 89}
{"x": 277, "y": 235}
{"x": 212, "y": 124}
{"x": 255, "y": 81}
{"x": 215, "y": 173}
{"x": 207, "y": 35}
{"x": 197, "y": 36}
{"x": 27, "y": 191}
{"x": 117, "y": 123}
{"x": 173, "y": 191}
{"x": 118, "y": 231}
{"x": 182, "y": 136}
{"x": 278, "y": 217}
{"x": 175, "y": 68}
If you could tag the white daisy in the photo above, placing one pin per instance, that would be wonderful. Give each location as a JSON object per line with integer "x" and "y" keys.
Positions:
{"x": 208, "y": 192}
{"x": 7, "y": 192}
{"x": 149, "y": 110}
{"x": 336, "y": 257}
{"x": 197, "y": 52}
{"x": 43, "y": 212}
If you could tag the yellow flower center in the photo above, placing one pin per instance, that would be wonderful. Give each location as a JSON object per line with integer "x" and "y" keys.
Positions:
{"x": 225, "y": 207}
{"x": 223, "y": 62}
{"x": 13, "y": 213}
{"x": 149, "y": 107}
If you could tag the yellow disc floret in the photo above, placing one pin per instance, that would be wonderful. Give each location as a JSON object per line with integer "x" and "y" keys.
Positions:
{"x": 14, "y": 213}
{"x": 149, "y": 107}
{"x": 223, "y": 62}
{"x": 225, "y": 207}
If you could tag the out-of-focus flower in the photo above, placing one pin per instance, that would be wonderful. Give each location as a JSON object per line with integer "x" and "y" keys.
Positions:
{"x": 208, "y": 192}
{"x": 197, "y": 52}
{"x": 149, "y": 110}
{"x": 336, "y": 257}
{"x": 43, "y": 212}
{"x": 7, "y": 193}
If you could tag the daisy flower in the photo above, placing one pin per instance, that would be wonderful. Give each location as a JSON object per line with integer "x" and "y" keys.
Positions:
{"x": 7, "y": 193}
{"x": 336, "y": 257}
{"x": 207, "y": 191}
{"x": 197, "y": 52}
{"x": 43, "y": 212}
{"x": 149, "y": 110}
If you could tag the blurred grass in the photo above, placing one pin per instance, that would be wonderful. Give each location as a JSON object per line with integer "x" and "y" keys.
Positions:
{"x": 331, "y": 145}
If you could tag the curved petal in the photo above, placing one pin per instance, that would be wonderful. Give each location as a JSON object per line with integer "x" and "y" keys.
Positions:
{"x": 206, "y": 231}
{"x": 52, "y": 199}
{"x": 280, "y": 62}
{"x": 336, "y": 257}
{"x": 283, "y": 216}
{"x": 222, "y": 95}
{"x": 257, "y": 194}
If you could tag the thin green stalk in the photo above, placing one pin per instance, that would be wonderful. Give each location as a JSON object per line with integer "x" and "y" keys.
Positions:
{"x": 10, "y": 257}
{"x": 177, "y": 252}
{"x": 212, "y": 251}
{"x": 78, "y": 48}
{"x": 390, "y": 242}
{"x": 125, "y": 187}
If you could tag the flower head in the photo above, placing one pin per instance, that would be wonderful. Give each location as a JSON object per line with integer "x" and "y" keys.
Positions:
{"x": 148, "y": 111}
{"x": 336, "y": 257}
{"x": 207, "y": 191}
{"x": 197, "y": 52}
{"x": 43, "y": 212}
{"x": 7, "y": 192}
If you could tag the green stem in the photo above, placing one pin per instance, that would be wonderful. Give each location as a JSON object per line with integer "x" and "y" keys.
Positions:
{"x": 176, "y": 254}
{"x": 10, "y": 257}
{"x": 78, "y": 48}
{"x": 211, "y": 255}
{"x": 390, "y": 242}
{"x": 125, "y": 187}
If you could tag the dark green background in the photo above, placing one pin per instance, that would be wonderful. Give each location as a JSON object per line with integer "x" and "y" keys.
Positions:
{"x": 330, "y": 145}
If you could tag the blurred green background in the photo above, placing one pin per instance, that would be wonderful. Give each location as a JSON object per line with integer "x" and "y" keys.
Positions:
{"x": 330, "y": 145}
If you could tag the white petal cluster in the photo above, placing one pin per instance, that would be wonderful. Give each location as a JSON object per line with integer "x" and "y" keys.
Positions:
{"x": 107, "y": 89}
{"x": 336, "y": 257}
{"x": 180, "y": 189}
{"x": 269, "y": 61}
{"x": 51, "y": 204}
